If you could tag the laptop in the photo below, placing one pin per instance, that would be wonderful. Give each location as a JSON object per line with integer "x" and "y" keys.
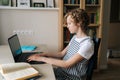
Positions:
{"x": 18, "y": 54}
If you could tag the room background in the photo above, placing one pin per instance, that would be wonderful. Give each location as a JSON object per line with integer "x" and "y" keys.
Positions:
{"x": 41, "y": 26}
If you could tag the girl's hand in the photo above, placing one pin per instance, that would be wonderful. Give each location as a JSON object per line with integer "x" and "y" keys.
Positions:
{"x": 35, "y": 57}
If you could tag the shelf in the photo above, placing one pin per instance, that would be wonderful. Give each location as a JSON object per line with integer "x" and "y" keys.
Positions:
{"x": 92, "y": 5}
{"x": 93, "y": 25}
{"x": 71, "y": 4}
{"x": 27, "y": 8}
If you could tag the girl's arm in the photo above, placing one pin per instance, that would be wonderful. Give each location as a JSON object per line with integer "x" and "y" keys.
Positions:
{"x": 60, "y": 63}
{"x": 55, "y": 55}
{"x": 57, "y": 62}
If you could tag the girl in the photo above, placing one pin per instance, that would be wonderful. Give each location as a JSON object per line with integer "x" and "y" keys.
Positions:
{"x": 72, "y": 61}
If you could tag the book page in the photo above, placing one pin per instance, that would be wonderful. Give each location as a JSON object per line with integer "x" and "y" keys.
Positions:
{"x": 21, "y": 74}
{"x": 11, "y": 67}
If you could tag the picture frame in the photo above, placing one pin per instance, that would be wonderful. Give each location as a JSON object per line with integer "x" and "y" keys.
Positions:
{"x": 38, "y": 3}
{"x": 5, "y": 2}
{"x": 51, "y": 3}
{"x": 23, "y": 3}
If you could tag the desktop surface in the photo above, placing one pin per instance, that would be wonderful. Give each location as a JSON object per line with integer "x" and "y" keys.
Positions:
{"x": 45, "y": 69}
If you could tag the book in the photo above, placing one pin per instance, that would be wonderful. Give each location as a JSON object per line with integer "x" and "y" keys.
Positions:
{"x": 65, "y": 1}
{"x": 28, "y": 47}
{"x": 18, "y": 71}
{"x": 77, "y": 1}
{"x": 73, "y": 1}
{"x": 69, "y": 1}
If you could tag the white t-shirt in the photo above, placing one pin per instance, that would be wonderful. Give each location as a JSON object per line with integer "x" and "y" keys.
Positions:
{"x": 86, "y": 49}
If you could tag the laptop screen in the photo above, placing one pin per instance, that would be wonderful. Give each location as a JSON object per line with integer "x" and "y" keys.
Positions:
{"x": 14, "y": 45}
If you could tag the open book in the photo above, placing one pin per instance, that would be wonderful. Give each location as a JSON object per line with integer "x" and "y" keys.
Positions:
{"x": 18, "y": 71}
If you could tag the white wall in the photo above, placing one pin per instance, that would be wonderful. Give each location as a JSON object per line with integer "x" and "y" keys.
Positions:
{"x": 43, "y": 23}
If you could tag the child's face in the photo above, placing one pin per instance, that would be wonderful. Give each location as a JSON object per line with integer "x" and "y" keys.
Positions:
{"x": 71, "y": 25}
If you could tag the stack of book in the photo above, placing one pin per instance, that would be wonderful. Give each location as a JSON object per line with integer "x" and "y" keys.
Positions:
{"x": 71, "y": 1}
{"x": 91, "y": 1}
{"x": 94, "y": 17}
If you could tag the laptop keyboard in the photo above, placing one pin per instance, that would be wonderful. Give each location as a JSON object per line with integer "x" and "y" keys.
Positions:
{"x": 23, "y": 58}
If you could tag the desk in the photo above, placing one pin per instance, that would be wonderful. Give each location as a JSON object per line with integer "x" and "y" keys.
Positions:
{"x": 5, "y": 54}
{"x": 45, "y": 69}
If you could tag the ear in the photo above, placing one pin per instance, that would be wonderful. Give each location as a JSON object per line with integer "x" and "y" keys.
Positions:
{"x": 79, "y": 24}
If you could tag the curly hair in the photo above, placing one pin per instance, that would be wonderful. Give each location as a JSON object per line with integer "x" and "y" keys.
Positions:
{"x": 79, "y": 16}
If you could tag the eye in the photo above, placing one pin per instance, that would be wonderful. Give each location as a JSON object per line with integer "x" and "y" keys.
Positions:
{"x": 69, "y": 23}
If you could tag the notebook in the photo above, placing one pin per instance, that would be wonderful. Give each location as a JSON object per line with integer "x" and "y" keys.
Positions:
{"x": 28, "y": 48}
{"x": 16, "y": 50}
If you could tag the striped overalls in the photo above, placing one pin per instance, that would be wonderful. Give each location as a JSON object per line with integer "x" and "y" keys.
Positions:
{"x": 76, "y": 72}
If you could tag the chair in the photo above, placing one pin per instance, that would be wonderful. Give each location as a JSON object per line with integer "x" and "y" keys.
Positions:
{"x": 92, "y": 63}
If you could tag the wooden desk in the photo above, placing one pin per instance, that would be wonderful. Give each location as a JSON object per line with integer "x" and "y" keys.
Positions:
{"x": 45, "y": 69}
{"x": 5, "y": 54}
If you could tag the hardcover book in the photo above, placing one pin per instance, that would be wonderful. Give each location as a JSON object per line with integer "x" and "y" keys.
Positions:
{"x": 17, "y": 71}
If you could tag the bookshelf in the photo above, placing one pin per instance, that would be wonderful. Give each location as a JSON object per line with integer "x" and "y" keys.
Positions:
{"x": 94, "y": 10}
